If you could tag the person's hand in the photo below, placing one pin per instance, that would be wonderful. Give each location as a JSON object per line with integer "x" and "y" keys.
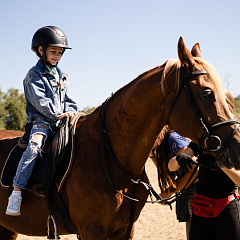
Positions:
{"x": 184, "y": 161}
{"x": 67, "y": 115}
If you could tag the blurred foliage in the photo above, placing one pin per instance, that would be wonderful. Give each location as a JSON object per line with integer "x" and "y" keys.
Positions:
{"x": 12, "y": 110}
{"x": 2, "y": 111}
{"x": 87, "y": 109}
{"x": 237, "y": 105}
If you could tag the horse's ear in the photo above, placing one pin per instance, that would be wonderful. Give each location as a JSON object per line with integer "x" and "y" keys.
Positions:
{"x": 185, "y": 56}
{"x": 196, "y": 51}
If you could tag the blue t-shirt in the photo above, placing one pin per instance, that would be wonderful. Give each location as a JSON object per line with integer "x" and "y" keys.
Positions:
{"x": 176, "y": 142}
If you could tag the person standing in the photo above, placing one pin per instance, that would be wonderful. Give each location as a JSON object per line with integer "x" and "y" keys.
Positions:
{"x": 175, "y": 144}
{"x": 216, "y": 209}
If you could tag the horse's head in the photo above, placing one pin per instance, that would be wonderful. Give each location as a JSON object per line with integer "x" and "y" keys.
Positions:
{"x": 201, "y": 99}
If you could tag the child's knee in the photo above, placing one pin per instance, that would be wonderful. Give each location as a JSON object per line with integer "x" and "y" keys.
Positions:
{"x": 35, "y": 146}
{"x": 37, "y": 141}
{"x": 39, "y": 135}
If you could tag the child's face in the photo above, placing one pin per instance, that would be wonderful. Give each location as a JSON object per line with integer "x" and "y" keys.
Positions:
{"x": 53, "y": 54}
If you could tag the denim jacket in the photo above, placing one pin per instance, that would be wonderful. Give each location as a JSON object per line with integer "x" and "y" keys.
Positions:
{"x": 45, "y": 100}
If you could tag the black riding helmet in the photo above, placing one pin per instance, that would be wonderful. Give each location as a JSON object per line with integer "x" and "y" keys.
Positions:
{"x": 49, "y": 36}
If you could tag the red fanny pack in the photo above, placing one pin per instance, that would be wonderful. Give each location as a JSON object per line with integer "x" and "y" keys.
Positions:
{"x": 208, "y": 207}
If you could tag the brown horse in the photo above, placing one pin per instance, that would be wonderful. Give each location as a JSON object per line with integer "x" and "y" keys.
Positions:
{"x": 132, "y": 119}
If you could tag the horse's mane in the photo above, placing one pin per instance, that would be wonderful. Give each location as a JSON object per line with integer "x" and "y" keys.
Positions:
{"x": 166, "y": 179}
{"x": 175, "y": 64}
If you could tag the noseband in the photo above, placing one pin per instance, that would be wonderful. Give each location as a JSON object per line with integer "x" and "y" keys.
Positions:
{"x": 207, "y": 136}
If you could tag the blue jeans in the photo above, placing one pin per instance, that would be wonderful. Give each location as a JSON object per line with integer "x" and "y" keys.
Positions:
{"x": 29, "y": 157}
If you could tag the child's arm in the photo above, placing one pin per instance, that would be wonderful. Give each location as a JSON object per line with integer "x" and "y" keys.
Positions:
{"x": 40, "y": 97}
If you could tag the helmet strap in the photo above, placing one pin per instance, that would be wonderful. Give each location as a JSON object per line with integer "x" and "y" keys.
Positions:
{"x": 44, "y": 55}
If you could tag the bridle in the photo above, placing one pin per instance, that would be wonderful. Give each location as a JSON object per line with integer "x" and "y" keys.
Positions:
{"x": 204, "y": 139}
{"x": 207, "y": 135}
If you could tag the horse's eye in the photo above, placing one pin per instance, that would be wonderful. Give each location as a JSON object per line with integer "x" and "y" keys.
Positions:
{"x": 207, "y": 93}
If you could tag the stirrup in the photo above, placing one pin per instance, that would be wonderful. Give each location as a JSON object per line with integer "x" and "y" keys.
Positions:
{"x": 50, "y": 236}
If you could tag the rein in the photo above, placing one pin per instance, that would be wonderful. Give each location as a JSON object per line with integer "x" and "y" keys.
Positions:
{"x": 177, "y": 195}
{"x": 151, "y": 191}
{"x": 104, "y": 138}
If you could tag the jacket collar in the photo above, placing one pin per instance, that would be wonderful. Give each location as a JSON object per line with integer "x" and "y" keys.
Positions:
{"x": 44, "y": 70}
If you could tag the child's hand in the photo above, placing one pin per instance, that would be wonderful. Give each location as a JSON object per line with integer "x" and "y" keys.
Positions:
{"x": 67, "y": 115}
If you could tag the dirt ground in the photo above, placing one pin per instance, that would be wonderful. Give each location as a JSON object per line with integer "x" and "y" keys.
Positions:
{"x": 156, "y": 222}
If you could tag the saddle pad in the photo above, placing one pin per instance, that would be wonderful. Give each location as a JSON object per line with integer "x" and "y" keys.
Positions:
{"x": 11, "y": 165}
{"x": 10, "y": 169}
{"x": 38, "y": 175}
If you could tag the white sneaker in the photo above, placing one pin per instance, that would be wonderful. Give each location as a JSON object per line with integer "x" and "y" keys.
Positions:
{"x": 14, "y": 204}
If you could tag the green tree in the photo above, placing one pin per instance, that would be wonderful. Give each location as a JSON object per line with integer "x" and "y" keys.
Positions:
{"x": 14, "y": 105}
{"x": 2, "y": 111}
{"x": 237, "y": 104}
{"x": 87, "y": 109}
{"x": 237, "y": 98}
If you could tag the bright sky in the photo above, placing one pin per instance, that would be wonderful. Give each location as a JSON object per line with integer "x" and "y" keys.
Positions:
{"x": 114, "y": 41}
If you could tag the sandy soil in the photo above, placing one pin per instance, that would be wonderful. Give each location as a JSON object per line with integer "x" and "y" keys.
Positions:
{"x": 156, "y": 222}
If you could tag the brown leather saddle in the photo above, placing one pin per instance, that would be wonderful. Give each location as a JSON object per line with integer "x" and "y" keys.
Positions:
{"x": 55, "y": 164}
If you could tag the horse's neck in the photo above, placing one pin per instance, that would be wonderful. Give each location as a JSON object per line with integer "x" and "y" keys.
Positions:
{"x": 134, "y": 119}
